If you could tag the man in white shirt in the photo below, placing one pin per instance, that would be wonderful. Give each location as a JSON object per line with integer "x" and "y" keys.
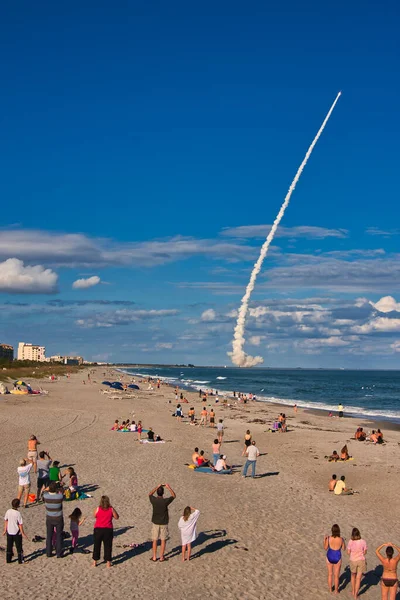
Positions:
{"x": 15, "y": 532}
{"x": 24, "y": 479}
{"x": 252, "y": 454}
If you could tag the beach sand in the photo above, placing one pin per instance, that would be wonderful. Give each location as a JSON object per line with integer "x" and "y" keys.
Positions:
{"x": 258, "y": 539}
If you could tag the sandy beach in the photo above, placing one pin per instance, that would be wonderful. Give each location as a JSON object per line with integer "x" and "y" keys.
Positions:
{"x": 258, "y": 539}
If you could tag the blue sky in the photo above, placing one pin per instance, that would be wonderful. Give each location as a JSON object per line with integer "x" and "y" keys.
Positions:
{"x": 145, "y": 149}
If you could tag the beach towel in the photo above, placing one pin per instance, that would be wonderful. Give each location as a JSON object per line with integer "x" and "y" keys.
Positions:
{"x": 152, "y": 442}
{"x": 210, "y": 470}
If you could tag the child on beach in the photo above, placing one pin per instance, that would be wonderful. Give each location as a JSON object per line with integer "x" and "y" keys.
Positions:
{"x": 139, "y": 429}
{"x": 73, "y": 481}
{"x": 115, "y": 427}
{"x": 14, "y": 530}
{"x": 220, "y": 430}
{"x": 215, "y": 449}
{"x": 187, "y": 525}
{"x": 75, "y": 522}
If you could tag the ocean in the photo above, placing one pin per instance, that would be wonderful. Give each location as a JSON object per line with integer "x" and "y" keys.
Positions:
{"x": 368, "y": 394}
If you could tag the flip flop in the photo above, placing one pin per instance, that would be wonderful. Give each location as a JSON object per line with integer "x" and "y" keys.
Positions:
{"x": 152, "y": 560}
{"x": 163, "y": 559}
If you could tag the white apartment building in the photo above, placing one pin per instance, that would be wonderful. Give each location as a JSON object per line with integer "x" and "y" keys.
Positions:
{"x": 31, "y": 352}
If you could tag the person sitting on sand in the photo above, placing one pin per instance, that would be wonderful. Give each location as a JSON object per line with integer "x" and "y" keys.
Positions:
{"x": 73, "y": 480}
{"x": 202, "y": 461}
{"x": 389, "y": 581}
{"x": 373, "y": 437}
{"x": 115, "y": 427}
{"x": 332, "y": 483}
{"x": 344, "y": 454}
{"x": 360, "y": 435}
{"x": 133, "y": 426}
{"x": 221, "y": 464}
{"x": 334, "y": 457}
{"x": 379, "y": 435}
{"x": 195, "y": 457}
{"x": 341, "y": 489}
{"x": 150, "y": 435}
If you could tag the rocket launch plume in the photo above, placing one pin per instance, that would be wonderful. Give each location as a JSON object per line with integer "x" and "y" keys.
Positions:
{"x": 238, "y": 356}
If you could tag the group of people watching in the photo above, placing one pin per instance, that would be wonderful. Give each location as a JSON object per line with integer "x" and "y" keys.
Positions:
{"x": 356, "y": 549}
{"x": 376, "y": 437}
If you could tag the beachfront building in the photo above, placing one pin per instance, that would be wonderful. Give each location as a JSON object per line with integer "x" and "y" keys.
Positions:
{"x": 31, "y": 352}
{"x": 6, "y": 353}
{"x": 55, "y": 359}
{"x": 73, "y": 360}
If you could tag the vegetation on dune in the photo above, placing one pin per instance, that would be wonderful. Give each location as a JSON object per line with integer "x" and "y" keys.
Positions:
{"x": 26, "y": 369}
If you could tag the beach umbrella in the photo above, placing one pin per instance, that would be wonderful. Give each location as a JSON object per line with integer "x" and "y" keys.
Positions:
{"x": 106, "y": 382}
{"x": 132, "y": 386}
{"x": 21, "y": 383}
{"x": 116, "y": 385}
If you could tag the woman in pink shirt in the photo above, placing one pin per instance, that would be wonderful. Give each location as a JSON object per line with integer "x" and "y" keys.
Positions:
{"x": 356, "y": 549}
{"x": 103, "y": 530}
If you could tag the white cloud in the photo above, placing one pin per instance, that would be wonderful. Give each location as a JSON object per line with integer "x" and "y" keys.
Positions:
{"x": 15, "y": 277}
{"x": 378, "y": 324}
{"x": 164, "y": 346}
{"x": 123, "y": 317}
{"x": 208, "y": 315}
{"x": 387, "y": 304}
{"x": 320, "y": 342}
{"x": 78, "y": 249}
{"x": 81, "y": 284}
{"x": 396, "y": 346}
{"x": 304, "y": 231}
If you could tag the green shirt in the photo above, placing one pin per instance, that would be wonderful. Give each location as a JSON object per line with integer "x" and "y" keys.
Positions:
{"x": 54, "y": 473}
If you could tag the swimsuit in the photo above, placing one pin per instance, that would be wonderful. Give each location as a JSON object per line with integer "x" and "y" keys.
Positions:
{"x": 389, "y": 582}
{"x": 333, "y": 556}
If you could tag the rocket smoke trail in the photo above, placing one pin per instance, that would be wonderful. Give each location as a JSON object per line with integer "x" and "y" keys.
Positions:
{"x": 238, "y": 356}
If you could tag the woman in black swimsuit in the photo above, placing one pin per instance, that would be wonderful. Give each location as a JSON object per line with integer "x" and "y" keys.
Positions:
{"x": 389, "y": 581}
{"x": 247, "y": 441}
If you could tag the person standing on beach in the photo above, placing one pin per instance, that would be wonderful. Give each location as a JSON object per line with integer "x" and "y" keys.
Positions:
{"x": 252, "y": 454}
{"x": 103, "y": 530}
{"x": 14, "y": 530}
{"x": 53, "y": 501}
{"x": 389, "y": 581}
{"x": 43, "y": 468}
{"x": 33, "y": 443}
{"x": 220, "y": 430}
{"x": 24, "y": 479}
{"x": 160, "y": 518}
{"x": 340, "y": 410}
{"x": 187, "y": 525}
{"x": 204, "y": 415}
{"x": 247, "y": 441}
{"x": 334, "y": 544}
{"x": 356, "y": 549}
{"x": 212, "y": 418}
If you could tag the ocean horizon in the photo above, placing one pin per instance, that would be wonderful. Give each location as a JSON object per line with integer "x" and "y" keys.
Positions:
{"x": 364, "y": 393}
